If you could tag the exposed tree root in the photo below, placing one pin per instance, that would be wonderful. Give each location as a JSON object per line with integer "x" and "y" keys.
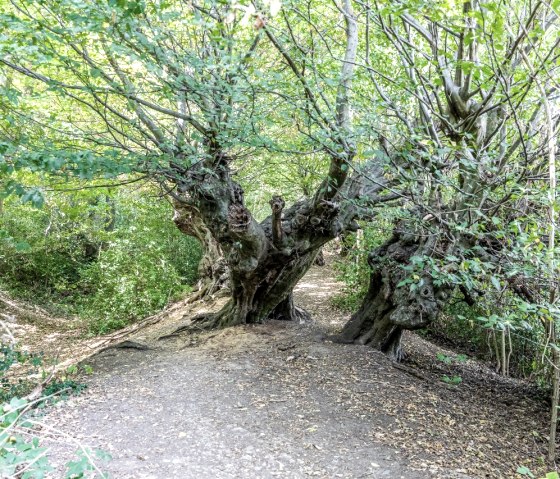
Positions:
{"x": 232, "y": 315}
{"x": 288, "y": 311}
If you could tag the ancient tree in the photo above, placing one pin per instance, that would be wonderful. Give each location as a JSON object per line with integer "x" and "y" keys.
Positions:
{"x": 179, "y": 90}
{"x": 464, "y": 156}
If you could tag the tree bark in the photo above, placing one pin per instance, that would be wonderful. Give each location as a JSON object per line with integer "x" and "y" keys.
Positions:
{"x": 388, "y": 308}
{"x": 286, "y": 310}
{"x": 320, "y": 258}
{"x": 264, "y": 294}
{"x": 213, "y": 271}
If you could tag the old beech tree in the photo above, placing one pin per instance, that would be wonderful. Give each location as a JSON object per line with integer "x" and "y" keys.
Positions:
{"x": 174, "y": 85}
{"x": 465, "y": 157}
{"x": 413, "y": 106}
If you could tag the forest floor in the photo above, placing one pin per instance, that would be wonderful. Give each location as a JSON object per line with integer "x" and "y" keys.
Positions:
{"x": 278, "y": 400}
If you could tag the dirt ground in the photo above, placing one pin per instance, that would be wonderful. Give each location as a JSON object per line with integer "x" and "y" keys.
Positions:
{"x": 279, "y": 400}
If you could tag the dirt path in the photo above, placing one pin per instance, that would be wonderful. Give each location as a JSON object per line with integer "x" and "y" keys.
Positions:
{"x": 276, "y": 400}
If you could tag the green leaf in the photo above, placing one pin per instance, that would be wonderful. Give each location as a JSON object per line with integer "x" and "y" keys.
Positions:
{"x": 524, "y": 471}
{"x": 496, "y": 283}
{"x": 23, "y": 246}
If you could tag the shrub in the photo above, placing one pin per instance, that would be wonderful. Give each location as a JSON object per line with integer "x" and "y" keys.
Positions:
{"x": 131, "y": 279}
{"x": 110, "y": 256}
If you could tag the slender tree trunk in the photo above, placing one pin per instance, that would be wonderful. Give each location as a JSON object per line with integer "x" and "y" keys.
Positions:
{"x": 551, "y": 140}
{"x": 551, "y": 137}
{"x": 555, "y": 401}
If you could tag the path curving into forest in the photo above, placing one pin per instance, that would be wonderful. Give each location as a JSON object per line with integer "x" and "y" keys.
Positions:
{"x": 277, "y": 401}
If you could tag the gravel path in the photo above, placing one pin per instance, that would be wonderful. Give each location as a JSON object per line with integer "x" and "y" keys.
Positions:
{"x": 278, "y": 401}
{"x": 251, "y": 402}
{"x": 171, "y": 416}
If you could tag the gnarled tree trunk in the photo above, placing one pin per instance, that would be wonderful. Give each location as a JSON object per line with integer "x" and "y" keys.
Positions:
{"x": 267, "y": 260}
{"x": 263, "y": 296}
{"x": 213, "y": 271}
{"x": 286, "y": 310}
{"x": 388, "y": 308}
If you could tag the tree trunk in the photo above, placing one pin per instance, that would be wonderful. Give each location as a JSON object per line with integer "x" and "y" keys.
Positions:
{"x": 320, "y": 258}
{"x": 213, "y": 271}
{"x": 265, "y": 294}
{"x": 286, "y": 310}
{"x": 265, "y": 259}
{"x": 387, "y": 308}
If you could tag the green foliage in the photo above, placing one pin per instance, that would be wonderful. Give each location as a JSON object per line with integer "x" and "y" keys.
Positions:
{"x": 444, "y": 358}
{"x": 478, "y": 330}
{"x": 21, "y": 452}
{"x": 23, "y": 456}
{"x": 17, "y": 453}
{"x": 110, "y": 256}
{"x": 65, "y": 386}
{"x": 353, "y": 268}
{"x": 30, "y": 367}
{"x": 132, "y": 278}
{"x": 525, "y": 471}
{"x": 83, "y": 464}
{"x": 11, "y": 356}
{"x": 452, "y": 380}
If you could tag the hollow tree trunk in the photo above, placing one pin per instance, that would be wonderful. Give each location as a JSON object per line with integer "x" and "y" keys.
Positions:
{"x": 259, "y": 263}
{"x": 387, "y": 308}
{"x": 264, "y": 261}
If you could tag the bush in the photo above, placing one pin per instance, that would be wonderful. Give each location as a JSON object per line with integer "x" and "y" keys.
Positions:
{"x": 11, "y": 356}
{"x": 23, "y": 456}
{"x": 132, "y": 278}
{"x": 110, "y": 256}
{"x": 480, "y": 330}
